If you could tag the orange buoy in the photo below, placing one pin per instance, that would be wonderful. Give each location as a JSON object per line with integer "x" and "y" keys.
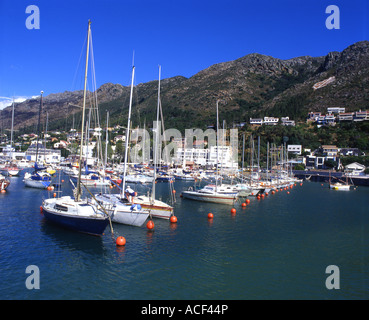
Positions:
{"x": 288, "y": 192}
{"x": 173, "y": 191}
{"x": 121, "y": 241}
{"x": 210, "y": 216}
{"x": 258, "y": 197}
{"x": 267, "y": 194}
{"x": 173, "y": 219}
{"x": 262, "y": 195}
{"x": 150, "y": 225}
{"x": 300, "y": 184}
{"x": 243, "y": 204}
{"x": 3, "y": 191}
{"x": 248, "y": 201}
{"x": 54, "y": 194}
{"x": 273, "y": 192}
{"x": 62, "y": 180}
{"x": 233, "y": 210}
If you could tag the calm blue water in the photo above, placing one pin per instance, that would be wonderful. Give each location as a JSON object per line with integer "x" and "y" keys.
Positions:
{"x": 276, "y": 248}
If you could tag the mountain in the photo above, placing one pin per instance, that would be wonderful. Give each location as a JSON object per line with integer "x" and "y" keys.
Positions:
{"x": 251, "y": 86}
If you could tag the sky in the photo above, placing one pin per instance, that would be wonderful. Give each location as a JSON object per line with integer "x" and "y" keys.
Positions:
{"x": 184, "y": 37}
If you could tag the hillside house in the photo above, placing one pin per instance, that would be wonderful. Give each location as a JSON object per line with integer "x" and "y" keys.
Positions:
{"x": 355, "y": 168}
{"x": 347, "y": 116}
{"x": 271, "y": 121}
{"x": 329, "y": 151}
{"x": 256, "y": 121}
{"x": 294, "y": 148}
{"x": 350, "y": 152}
{"x": 336, "y": 110}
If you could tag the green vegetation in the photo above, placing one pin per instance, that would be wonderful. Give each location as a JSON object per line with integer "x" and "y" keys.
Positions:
{"x": 343, "y": 135}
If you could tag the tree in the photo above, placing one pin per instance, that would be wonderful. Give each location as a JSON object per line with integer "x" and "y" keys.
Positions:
{"x": 119, "y": 149}
{"x": 330, "y": 164}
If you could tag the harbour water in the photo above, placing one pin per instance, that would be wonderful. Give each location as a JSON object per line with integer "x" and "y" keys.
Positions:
{"x": 275, "y": 248}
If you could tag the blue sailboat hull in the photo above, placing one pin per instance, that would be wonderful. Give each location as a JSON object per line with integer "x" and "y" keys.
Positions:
{"x": 81, "y": 224}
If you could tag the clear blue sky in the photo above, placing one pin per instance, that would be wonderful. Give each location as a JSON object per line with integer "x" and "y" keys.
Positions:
{"x": 184, "y": 37}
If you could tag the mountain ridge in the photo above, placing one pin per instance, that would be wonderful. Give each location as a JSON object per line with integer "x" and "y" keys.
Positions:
{"x": 254, "y": 85}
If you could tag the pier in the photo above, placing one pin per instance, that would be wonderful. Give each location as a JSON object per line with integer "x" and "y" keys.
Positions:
{"x": 323, "y": 176}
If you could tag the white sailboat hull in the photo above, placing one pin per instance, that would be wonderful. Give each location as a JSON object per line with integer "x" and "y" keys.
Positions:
{"x": 339, "y": 186}
{"x": 157, "y": 208}
{"x": 121, "y": 212}
{"x": 215, "y": 198}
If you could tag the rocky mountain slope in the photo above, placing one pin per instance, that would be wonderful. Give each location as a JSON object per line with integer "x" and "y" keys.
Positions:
{"x": 251, "y": 86}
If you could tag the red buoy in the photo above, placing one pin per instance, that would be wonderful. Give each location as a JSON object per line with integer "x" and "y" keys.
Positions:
{"x": 150, "y": 225}
{"x": 288, "y": 192}
{"x": 248, "y": 201}
{"x": 210, "y": 216}
{"x": 173, "y": 219}
{"x": 243, "y": 204}
{"x": 121, "y": 241}
{"x": 233, "y": 210}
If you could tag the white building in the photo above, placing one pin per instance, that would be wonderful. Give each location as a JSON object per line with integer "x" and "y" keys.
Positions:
{"x": 335, "y": 110}
{"x": 203, "y": 157}
{"x": 222, "y": 154}
{"x": 355, "y": 168}
{"x": 256, "y": 121}
{"x": 294, "y": 148}
{"x": 348, "y": 116}
{"x": 197, "y": 156}
{"x": 271, "y": 121}
{"x": 44, "y": 155}
{"x": 287, "y": 122}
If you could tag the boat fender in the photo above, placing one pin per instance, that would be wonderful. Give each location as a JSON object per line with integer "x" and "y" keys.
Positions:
{"x": 135, "y": 207}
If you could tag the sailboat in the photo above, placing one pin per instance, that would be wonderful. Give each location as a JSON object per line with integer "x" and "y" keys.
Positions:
{"x": 339, "y": 185}
{"x": 120, "y": 209}
{"x": 39, "y": 178}
{"x": 10, "y": 169}
{"x": 158, "y": 208}
{"x": 76, "y": 213}
{"x": 213, "y": 193}
{"x": 4, "y": 183}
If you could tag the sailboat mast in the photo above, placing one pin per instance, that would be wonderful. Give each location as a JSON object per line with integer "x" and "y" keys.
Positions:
{"x": 216, "y": 178}
{"x": 78, "y": 195}
{"x": 156, "y": 137}
{"x": 127, "y": 133}
{"x": 106, "y": 140}
{"x": 243, "y": 154}
{"x": 11, "y": 132}
{"x": 38, "y": 125}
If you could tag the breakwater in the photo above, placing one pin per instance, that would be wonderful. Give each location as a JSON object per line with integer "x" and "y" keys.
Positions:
{"x": 325, "y": 175}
